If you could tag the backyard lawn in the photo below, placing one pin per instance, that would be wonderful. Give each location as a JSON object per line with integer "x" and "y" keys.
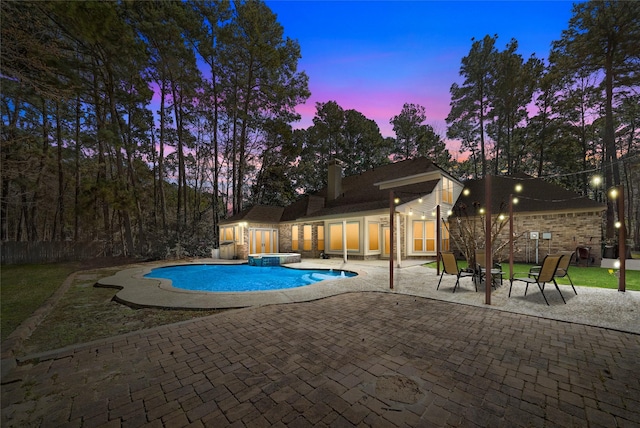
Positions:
{"x": 24, "y": 288}
{"x": 584, "y": 276}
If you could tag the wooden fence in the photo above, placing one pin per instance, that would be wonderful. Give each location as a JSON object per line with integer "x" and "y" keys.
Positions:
{"x": 12, "y": 252}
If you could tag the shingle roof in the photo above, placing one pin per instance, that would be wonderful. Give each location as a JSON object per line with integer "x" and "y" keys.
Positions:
{"x": 536, "y": 195}
{"x": 257, "y": 214}
{"x": 360, "y": 193}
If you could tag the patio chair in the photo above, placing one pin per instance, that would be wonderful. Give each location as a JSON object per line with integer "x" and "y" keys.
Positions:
{"x": 481, "y": 271}
{"x": 563, "y": 268}
{"x": 450, "y": 267}
{"x": 547, "y": 273}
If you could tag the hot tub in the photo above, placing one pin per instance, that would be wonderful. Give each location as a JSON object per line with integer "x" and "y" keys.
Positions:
{"x": 273, "y": 259}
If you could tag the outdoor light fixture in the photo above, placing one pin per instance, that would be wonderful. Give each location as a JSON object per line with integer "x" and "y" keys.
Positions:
{"x": 518, "y": 188}
{"x": 481, "y": 211}
{"x": 422, "y": 216}
{"x": 396, "y": 200}
{"x": 466, "y": 192}
{"x": 613, "y": 193}
{"x": 596, "y": 180}
{"x": 515, "y": 200}
{"x": 617, "y": 225}
{"x": 410, "y": 211}
{"x": 420, "y": 200}
{"x": 501, "y": 217}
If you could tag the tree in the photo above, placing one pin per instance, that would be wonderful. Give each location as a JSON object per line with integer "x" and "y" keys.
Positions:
{"x": 514, "y": 85}
{"x": 261, "y": 82}
{"x": 470, "y": 103}
{"x": 603, "y": 37}
{"x": 408, "y": 128}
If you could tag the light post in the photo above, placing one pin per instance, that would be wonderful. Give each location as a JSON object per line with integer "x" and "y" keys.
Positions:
{"x": 512, "y": 201}
{"x": 488, "y": 257}
{"x": 438, "y": 245}
{"x": 392, "y": 211}
{"x": 618, "y": 194}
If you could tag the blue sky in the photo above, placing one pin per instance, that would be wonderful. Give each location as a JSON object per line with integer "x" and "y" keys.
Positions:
{"x": 374, "y": 56}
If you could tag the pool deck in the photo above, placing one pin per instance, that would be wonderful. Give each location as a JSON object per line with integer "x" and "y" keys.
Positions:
{"x": 334, "y": 356}
{"x": 591, "y": 306}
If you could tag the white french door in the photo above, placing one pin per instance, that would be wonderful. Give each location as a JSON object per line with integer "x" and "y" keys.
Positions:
{"x": 263, "y": 241}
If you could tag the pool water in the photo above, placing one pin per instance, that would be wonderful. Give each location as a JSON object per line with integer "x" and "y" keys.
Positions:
{"x": 234, "y": 278}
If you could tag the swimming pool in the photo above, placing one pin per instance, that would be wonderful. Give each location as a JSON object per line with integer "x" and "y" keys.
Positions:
{"x": 239, "y": 278}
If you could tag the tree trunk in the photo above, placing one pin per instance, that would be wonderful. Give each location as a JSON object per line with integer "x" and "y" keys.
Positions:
{"x": 61, "y": 233}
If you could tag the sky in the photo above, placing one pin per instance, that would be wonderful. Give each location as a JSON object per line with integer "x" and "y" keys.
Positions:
{"x": 375, "y": 56}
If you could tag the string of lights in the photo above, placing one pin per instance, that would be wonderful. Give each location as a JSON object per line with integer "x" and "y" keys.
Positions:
{"x": 603, "y": 167}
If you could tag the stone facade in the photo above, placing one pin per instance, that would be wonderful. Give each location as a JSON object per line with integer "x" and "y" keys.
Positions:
{"x": 286, "y": 245}
{"x": 568, "y": 230}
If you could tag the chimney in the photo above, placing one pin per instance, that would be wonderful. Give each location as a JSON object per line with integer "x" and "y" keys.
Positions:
{"x": 334, "y": 183}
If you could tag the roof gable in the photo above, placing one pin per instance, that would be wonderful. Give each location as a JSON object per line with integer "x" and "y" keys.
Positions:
{"x": 369, "y": 191}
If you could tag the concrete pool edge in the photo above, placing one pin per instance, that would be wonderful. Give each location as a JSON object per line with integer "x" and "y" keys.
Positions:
{"x": 600, "y": 307}
{"x": 137, "y": 291}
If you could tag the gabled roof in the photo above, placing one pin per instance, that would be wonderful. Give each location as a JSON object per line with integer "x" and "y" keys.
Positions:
{"x": 537, "y": 195}
{"x": 360, "y": 193}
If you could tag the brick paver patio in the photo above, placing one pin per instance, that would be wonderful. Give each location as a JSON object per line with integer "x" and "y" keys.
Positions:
{"x": 358, "y": 359}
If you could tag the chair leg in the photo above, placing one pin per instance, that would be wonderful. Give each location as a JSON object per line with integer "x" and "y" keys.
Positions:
{"x": 542, "y": 292}
{"x": 457, "y": 282}
{"x": 574, "y": 288}
{"x": 441, "y": 275}
{"x": 510, "y": 286}
{"x": 558, "y": 288}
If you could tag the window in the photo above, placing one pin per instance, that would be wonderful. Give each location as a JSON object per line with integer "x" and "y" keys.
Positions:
{"x": 321, "y": 238}
{"x": 306, "y": 236}
{"x": 424, "y": 236}
{"x": 353, "y": 236}
{"x": 387, "y": 241}
{"x": 374, "y": 236}
{"x": 226, "y": 233}
{"x": 447, "y": 191}
{"x": 444, "y": 234}
{"x": 294, "y": 237}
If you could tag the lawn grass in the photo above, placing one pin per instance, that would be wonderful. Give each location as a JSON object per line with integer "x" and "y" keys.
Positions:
{"x": 24, "y": 288}
{"x": 585, "y": 276}
{"x": 85, "y": 313}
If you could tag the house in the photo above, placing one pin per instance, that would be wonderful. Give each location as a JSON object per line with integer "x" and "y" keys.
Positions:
{"x": 351, "y": 216}
{"x": 547, "y": 218}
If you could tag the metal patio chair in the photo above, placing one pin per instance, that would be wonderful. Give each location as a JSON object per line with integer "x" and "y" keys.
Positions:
{"x": 563, "y": 268}
{"x": 546, "y": 274}
{"x": 450, "y": 267}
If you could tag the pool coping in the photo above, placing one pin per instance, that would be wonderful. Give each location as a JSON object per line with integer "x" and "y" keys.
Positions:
{"x": 139, "y": 292}
{"x": 599, "y": 307}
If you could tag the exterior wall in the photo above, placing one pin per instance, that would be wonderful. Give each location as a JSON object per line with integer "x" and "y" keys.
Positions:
{"x": 568, "y": 231}
{"x": 242, "y": 244}
{"x": 284, "y": 231}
